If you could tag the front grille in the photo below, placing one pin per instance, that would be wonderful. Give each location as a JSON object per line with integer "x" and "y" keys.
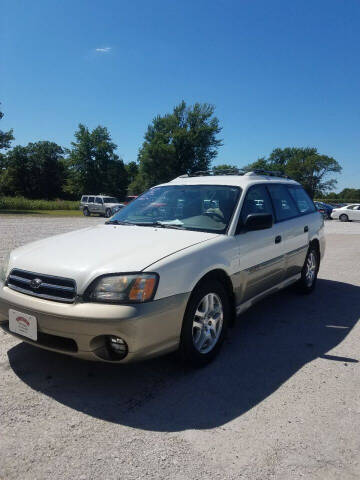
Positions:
{"x": 43, "y": 286}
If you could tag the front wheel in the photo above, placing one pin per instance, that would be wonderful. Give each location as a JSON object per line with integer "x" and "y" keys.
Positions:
{"x": 108, "y": 213}
{"x": 309, "y": 271}
{"x": 205, "y": 323}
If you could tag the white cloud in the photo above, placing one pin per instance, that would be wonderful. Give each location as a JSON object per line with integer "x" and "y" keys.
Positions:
{"x": 103, "y": 49}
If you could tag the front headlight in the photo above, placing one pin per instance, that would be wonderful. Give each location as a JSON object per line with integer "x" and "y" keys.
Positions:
{"x": 130, "y": 288}
{"x": 4, "y": 268}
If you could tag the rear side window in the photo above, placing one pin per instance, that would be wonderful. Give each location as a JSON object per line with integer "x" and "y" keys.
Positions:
{"x": 284, "y": 205}
{"x": 302, "y": 200}
{"x": 91, "y": 200}
{"x": 257, "y": 200}
{"x": 84, "y": 199}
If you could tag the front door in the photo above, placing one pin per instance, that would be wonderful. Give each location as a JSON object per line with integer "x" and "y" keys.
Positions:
{"x": 98, "y": 205}
{"x": 353, "y": 212}
{"x": 261, "y": 252}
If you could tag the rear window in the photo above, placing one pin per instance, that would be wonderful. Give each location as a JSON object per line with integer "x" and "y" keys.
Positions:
{"x": 302, "y": 200}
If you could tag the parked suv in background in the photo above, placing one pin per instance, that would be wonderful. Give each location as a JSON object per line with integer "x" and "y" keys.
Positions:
{"x": 100, "y": 204}
{"x": 173, "y": 269}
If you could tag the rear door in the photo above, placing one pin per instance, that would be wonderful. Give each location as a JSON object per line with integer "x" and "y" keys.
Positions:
{"x": 91, "y": 201}
{"x": 261, "y": 252}
{"x": 291, "y": 205}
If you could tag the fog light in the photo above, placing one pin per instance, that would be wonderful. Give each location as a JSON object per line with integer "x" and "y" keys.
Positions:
{"x": 117, "y": 347}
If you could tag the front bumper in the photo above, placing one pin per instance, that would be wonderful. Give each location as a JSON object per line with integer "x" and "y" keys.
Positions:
{"x": 80, "y": 329}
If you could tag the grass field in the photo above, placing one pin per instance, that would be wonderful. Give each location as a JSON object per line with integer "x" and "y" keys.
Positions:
{"x": 25, "y": 204}
{"x": 53, "y": 213}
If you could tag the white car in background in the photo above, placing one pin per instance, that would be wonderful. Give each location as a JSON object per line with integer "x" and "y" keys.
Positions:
{"x": 347, "y": 213}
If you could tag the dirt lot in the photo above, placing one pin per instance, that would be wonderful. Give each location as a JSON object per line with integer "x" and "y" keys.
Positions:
{"x": 281, "y": 402}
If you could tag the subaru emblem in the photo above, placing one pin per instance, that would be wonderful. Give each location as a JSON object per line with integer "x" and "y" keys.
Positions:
{"x": 35, "y": 283}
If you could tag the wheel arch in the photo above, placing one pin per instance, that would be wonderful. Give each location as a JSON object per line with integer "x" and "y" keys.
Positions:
{"x": 221, "y": 276}
{"x": 316, "y": 244}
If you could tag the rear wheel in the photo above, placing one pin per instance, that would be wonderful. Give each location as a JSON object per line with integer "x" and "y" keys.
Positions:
{"x": 86, "y": 212}
{"x": 205, "y": 323}
{"x": 343, "y": 218}
{"x": 309, "y": 271}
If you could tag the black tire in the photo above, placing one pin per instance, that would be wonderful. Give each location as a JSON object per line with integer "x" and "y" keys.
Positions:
{"x": 188, "y": 352}
{"x": 86, "y": 212}
{"x": 304, "y": 284}
{"x": 343, "y": 218}
{"x": 108, "y": 213}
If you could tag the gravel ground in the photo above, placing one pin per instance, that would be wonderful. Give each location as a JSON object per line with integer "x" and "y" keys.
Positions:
{"x": 281, "y": 402}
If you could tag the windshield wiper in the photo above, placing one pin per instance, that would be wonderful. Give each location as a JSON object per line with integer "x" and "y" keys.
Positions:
{"x": 118, "y": 222}
{"x": 160, "y": 224}
{"x": 147, "y": 224}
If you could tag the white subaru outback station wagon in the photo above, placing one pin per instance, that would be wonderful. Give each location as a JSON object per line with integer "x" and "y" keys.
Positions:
{"x": 179, "y": 263}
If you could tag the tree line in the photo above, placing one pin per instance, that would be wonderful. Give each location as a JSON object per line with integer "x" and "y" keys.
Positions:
{"x": 183, "y": 141}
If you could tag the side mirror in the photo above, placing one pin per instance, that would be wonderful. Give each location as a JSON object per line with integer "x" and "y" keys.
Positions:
{"x": 258, "y": 221}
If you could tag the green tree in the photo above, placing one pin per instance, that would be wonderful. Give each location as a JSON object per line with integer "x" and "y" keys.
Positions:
{"x": 5, "y": 137}
{"x": 93, "y": 165}
{"x": 180, "y": 142}
{"x": 132, "y": 169}
{"x": 304, "y": 165}
{"x": 5, "y": 141}
{"x": 34, "y": 171}
{"x": 349, "y": 195}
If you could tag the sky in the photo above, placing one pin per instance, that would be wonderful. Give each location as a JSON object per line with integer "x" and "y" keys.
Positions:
{"x": 280, "y": 73}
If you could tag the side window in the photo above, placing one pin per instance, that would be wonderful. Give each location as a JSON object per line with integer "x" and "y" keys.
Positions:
{"x": 98, "y": 200}
{"x": 84, "y": 199}
{"x": 284, "y": 205}
{"x": 302, "y": 200}
{"x": 91, "y": 200}
{"x": 257, "y": 200}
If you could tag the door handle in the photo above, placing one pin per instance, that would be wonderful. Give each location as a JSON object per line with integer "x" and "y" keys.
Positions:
{"x": 306, "y": 228}
{"x": 278, "y": 239}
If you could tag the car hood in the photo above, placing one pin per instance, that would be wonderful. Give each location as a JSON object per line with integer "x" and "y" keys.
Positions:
{"x": 85, "y": 254}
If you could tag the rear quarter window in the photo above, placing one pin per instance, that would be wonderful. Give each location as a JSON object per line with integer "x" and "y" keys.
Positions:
{"x": 84, "y": 199}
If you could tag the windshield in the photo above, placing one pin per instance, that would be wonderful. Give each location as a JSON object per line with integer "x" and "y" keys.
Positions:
{"x": 205, "y": 208}
{"x": 110, "y": 200}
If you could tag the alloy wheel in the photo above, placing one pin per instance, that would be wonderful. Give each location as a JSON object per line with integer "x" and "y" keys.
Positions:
{"x": 311, "y": 266}
{"x": 207, "y": 323}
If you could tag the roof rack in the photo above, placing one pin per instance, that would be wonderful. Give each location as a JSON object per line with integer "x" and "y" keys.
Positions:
{"x": 268, "y": 173}
{"x": 223, "y": 171}
{"x": 235, "y": 171}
